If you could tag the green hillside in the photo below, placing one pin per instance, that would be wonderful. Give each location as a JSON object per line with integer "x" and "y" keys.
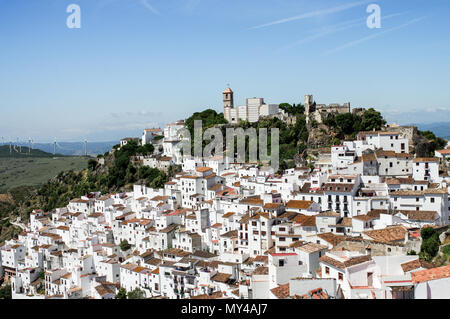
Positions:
{"x": 35, "y": 171}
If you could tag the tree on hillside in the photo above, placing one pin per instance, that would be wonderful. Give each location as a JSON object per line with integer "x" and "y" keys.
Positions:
{"x": 430, "y": 243}
{"x": 5, "y": 292}
{"x": 136, "y": 294}
{"x": 146, "y": 149}
{"x": 345, "y": 123}
{"x": 370, "y": 120}
{"x": 436, "y": 142}
{"x": 122, "y": 294}
{"x": 124, "y": 245}
{"x": 293, "y": 109}
{"x": 208, "y": 117}
{"x": 92, "y": 164}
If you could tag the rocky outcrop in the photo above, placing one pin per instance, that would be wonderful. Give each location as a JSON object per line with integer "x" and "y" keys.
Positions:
{"x": 320, "y": 136}
{"x": 422, "y": 146}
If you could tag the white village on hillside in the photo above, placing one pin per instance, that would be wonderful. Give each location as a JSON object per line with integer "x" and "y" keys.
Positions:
{"x": 343, "y": 225}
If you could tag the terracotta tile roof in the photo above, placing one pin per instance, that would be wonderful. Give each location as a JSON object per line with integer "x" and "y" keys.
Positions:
{"x": 221, "y": 277}
{"x": 261, "y": 271}
{"x": 203, "y": 254}
{"x": 229, "y": 214}
{"x": 444, "y": 152}
{"x": 281, "y": 292}
{"x": 318, "y": 293}
{"x": 155, "y": 271}
{"x": 203, "y": 169}
{"x": 259, "y": 215}
{"x": 176, "y": 252}
{"x": 154, "y": 261}
{"x": 271, "y": 205}
{"x": 299, "y": 204}
{"x": 346, "y": 222}
{"x": 169, "y": 228}
{"x": 369, "y": 157}
{"x": 348, "y": 263}
{"x": 297, "y": 243}
{"x": 104, "y": 289}
{"x": 214, "y": 295}
{"x": 230, "y": 234}
{"x": 328, "y": 214}
{"x": 304, "y": 220}
{"x": 419, "y": 215}
{"x": 394, "y": 233}
{"x": 363, "y": 217}
{"x": 244, "y": 219}
{"x": 331, "y": 238}
{"x": 159, "y": 198}
{"x": 139, "y": 269}
{"x": 375, "y": 213}
{"x": 415, "y": 264}
{"x": 381, "y": 152}
{"x": 430, "y": 274}
{"x": 405, "y": 180}
{"x": 257, "y": 201}
{"x": 129, "y": 266}
{"x": 261, "y": 258}
{"x": 312, "y": 247}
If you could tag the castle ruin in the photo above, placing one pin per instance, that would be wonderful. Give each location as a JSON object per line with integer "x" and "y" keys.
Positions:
{"x": 317, "y": 112}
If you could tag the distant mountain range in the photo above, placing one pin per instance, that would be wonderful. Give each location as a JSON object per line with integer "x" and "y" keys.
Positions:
{"x": 67, "y": 148}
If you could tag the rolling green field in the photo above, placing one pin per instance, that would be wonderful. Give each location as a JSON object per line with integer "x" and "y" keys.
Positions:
{"x": 34, "y": 171}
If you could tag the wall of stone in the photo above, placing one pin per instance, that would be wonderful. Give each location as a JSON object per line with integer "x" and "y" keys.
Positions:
{"x": 376, "y": 249}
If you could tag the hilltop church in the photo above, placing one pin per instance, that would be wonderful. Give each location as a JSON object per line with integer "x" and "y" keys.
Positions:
{"x": 252, "y": 111}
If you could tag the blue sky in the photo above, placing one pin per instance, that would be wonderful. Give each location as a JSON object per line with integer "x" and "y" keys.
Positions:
{"x": 139, "y": 63}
